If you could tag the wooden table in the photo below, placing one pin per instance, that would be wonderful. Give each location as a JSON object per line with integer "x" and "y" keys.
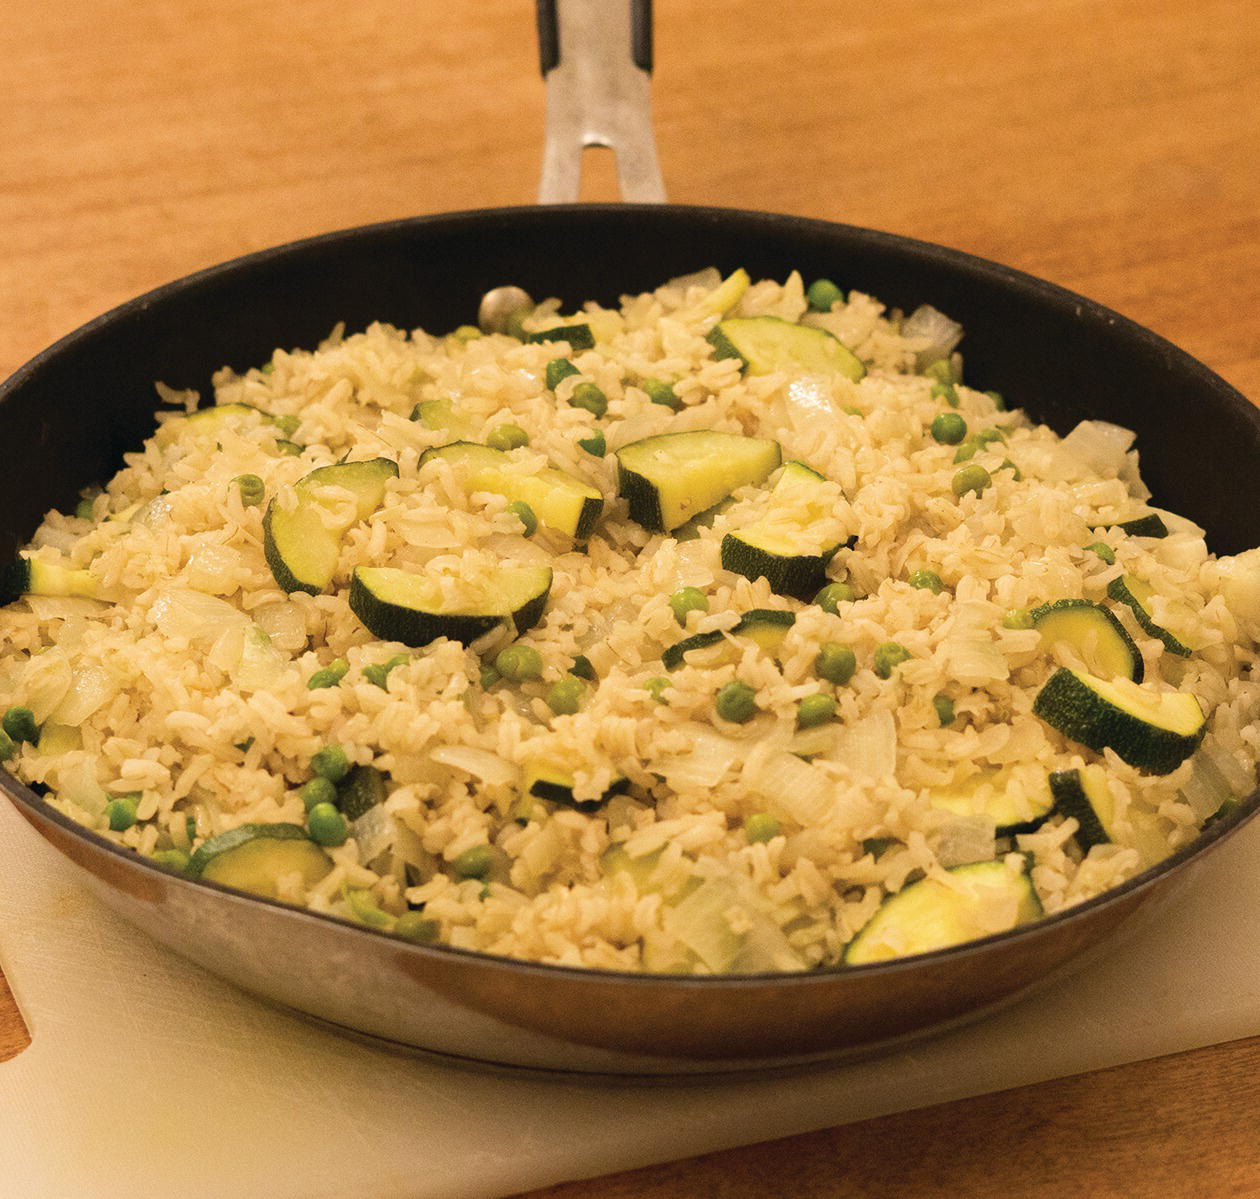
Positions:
{"x": 1110, "y": 145}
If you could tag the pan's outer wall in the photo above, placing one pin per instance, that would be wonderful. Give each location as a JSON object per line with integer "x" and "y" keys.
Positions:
{"x": 68, "y": 416}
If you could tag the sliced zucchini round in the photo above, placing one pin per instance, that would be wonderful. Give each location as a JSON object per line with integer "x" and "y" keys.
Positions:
{"x": 672, "y": 477}
{"x": 579, "y": 336}
{"x": 556, "y": 785}
{"x": 254, "y": 857}
{"x": 302, "y": 542}
{"x": 1013, "y": 805}
{"x": 1144, "y": 524}
{"x": 766, "y": 626}
{"x": 1154, "y": 731}
{"x": 397, "y": 605}
{"x": 1086, "y": 797}
{"x": 560, "y": 501}
{"x": 1136, "y": 595}
{"x": 779, "y": 548}
{"x": 30, "y": 576}
{"x": 1094, "y": 633}
{"x": 769, "y": 343}
{"x": 722, "y": 298}
{"x": 360, "y": 791}
{"x": 932, "y": 914}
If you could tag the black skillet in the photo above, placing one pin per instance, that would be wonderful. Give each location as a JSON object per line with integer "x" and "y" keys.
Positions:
{"x": 67, "y": 417}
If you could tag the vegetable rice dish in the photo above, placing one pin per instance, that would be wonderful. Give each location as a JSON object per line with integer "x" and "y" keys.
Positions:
{"x": 734, "y": 629}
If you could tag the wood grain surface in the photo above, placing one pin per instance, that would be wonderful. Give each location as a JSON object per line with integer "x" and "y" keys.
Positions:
{"x": 1112, "y": 146}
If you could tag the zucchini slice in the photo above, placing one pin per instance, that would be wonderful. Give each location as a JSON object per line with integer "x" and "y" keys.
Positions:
{"x": 360, "y": 791}
{"x": 778, "y": 548}
{"x": 766, "y": 626}
{"x": 1144, "y": 524}
{"x": 1136, "y": 594}
{"x": 980, "y": 899}
{"x": 442, "y": 416}
{"x": 254, "y": 857}
{"x": 556, "y": 785}
{"x": 302, "y": 543}
{"x": 1086, "y": 796}
{"x": 578, "y": 336}
{"x": 672, "y": 477}
{"x": 722, "y": 298}
{"x": 397, "y": 605}
{"x": 1154, "y": 731}
{"x": 30, "y": 576}
{"x": 560, "y": 501}
{"x": 1013, "y": 805}
{"x": 1094, "y": 633}
{"x": 769, "y": 343}
{"x": 210, "y": 421}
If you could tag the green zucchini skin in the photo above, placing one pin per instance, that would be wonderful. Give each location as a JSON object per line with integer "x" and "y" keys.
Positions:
{"x": 1119, "y": 589}
{"x": 15, "y": 580}
{"x": 1075, "y": 708}
{"x": 1072, "y": 799}
{"x": 578, "y": 336}
{"x": 417, "y": 626}
{"x": 360, "y": 791}
{"x": 558, "y": 792}
{"x": 253, "y": 856}
{"x": 1104, "y": 622}
{"x": 750, "y": 623}
{"x": 1149, "y": 524}
{"x": 769, "y": 343}
{"x": 799, "y": 576}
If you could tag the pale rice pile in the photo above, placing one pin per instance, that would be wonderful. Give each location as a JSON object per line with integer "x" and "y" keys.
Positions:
{"x": 189, "y": 685}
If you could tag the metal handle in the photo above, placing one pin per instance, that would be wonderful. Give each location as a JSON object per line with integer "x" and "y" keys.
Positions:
{"x": 597, "y": 60}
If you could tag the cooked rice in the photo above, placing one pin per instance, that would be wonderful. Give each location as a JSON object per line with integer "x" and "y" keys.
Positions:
{"x": 189, "y": 686}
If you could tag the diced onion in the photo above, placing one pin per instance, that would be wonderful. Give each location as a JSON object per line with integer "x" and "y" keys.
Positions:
{"x": 480, "y": 763}
{"x": 1239, "y": 583}
{"x": 868, "y": 747}
{"x": 261, "y": 664}
{"x": 192, "y": 616}
{"x": 91, "y": 688}
{"x": 375, "y": 832}
{"x": 940, "y": 334}
{"x": 47, "y": 679}
{"x": 1100, "y": 445}
{"x": 284, "y": 622}
{"x": 965, "y": 839}
{"x": 710, "y": 757}
{"x": 709, "y": 278}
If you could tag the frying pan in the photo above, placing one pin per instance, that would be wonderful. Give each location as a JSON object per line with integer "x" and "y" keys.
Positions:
{"x": 67, "y": 417}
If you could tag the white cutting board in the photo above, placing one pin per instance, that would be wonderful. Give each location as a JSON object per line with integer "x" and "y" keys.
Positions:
{"x": 148, "y": 1077}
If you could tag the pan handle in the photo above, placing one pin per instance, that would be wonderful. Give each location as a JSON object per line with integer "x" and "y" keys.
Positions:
{"x": 597, "y": 61}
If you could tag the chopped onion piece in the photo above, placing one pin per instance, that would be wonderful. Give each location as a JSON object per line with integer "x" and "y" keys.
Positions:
{"x": 1239, "y": 583}
{"x": 965, "y": 839}
{"x": 480, "y": 763}
{"x": 47, "y": 679}
{"x": 375, "y": 832}
{"x": 261, "y": 664}
{"x": 91, "y": 688}
{"x": 192, "y": 616}
{"x": 868, "y": 747}
{"x": 1100, "y": 445}
{"x": 940, "y": 334}
{"x": 284, "y": 622}
{"x": 711, "y": 756}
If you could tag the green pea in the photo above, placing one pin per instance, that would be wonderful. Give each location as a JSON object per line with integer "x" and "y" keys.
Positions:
{"x": 888, "y": 656}
{"x": 987, "y": 436}
{"x": 83, "y": 509}
{"x": 507, "y": 437}
{"x": 20, "y": 724}
{"x": 968, "y": 450}
{"x": 656, "y": 688}
{"x": 833, "y": 595}
{"x": 736, "y": 702}
{"x": 331, "y": 763}
{"x": 836, "y": 663}
{"x": 590, "y": 398}
{"x": 171, "y": 859}
{"x": 476, "y": 862}
{"x": 489, "y": 676}
{"x": 559, "y": 369}
{"x": 823, "y": 294}
{"x": 267, "y": 368}
{"x": 660, "y": 392}
{"x": 1104, "y": 551}
{"x": 926, "y": 580}
{"x": 327, "y": 825}
{"x": 970, "y": 478}
{"x": 288, "y": 424}
{"x": 998, "y": 401}
{"x": 814, "y": 710}
{"x": 1017, "y": 618}
{"x": 595, "y": 444}
{"x": 120, "y": 812}
{"x": 853, "y": 410}
{"x": 944, "y": 709}
{"x": 378, "y": 672}
{"x": 525, "y": 514}
{"x": 518, "y": 663}
{"x": 318, "y": 790}
{"x": 466, "y": 333}
{"x": 582, "y": 668}
{"x": 949, "y": 428}
{"x": 942, "y": 370}
{"x": 761, "y": 827}
{"x": 417, "y": 928}
{"x": 687, "y": 599}
{"x": 7, "y": 747}
{"x": 946, "y": 392}
{"x": 1007, "y": 464}
{"x": 329, "y": 676}
{"x": 564, "y": 697}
